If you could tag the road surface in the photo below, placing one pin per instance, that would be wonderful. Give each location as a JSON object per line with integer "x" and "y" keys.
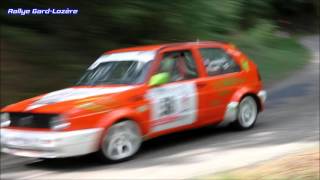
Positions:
{"x": 289, "y": 123}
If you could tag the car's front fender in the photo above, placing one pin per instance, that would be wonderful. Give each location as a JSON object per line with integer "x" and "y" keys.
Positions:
{"x": 123, "y": 114}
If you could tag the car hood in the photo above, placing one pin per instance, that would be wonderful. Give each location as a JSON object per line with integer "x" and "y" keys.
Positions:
{"x": 62, "y": 100}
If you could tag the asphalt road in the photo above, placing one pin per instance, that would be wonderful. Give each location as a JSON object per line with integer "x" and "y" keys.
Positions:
{"x": 289, "y": 123}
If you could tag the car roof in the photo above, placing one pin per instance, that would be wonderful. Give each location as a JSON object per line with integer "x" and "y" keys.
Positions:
{"x": 162, "y": 46}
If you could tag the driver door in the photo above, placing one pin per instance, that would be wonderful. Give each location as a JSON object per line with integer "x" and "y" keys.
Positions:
{"x": 175, "y": 103}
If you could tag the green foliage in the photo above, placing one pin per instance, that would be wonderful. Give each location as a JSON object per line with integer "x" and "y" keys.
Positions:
{"x": 262, "y": 32}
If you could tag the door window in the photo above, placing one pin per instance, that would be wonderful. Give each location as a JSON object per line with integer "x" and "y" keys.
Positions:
{"x": 217, "y": 61}
{"x": 179, "y": 64}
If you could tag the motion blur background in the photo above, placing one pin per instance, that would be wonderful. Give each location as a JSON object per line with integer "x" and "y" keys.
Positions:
{"x": 41, "y": 53}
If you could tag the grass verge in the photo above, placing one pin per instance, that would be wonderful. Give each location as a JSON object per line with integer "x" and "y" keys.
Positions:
{"x": 299, "y": 166}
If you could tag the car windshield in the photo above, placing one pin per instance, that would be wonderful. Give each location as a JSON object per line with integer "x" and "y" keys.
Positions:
{"x": 117, "y": 69}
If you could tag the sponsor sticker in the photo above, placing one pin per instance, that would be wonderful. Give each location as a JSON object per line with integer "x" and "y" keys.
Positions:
{"x": 245, "y": 65}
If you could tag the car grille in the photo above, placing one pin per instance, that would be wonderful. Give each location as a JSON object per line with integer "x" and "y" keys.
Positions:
{"x": 31, "y": 120}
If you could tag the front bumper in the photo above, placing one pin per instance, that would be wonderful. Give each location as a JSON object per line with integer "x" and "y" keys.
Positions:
{"x": 50, "y": 144}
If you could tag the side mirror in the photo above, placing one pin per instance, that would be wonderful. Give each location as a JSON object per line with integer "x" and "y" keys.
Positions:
{"x": 158, "y": 79}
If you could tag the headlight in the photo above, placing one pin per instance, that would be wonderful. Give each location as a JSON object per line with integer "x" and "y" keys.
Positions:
{"x": 59, "y": 123}
{"x": 5, "y": 119}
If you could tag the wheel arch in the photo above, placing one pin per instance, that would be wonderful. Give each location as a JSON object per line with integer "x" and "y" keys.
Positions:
{"x": 246, "y": 91}
{"x": 119, "y": 115}
{"x": 231, "y": 111}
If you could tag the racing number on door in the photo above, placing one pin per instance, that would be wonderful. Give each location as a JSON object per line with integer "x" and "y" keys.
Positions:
{"x": 166, "y": 106}
{"x": 172, "y": 106}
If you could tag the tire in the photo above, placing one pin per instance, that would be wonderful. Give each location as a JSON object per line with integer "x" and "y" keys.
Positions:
{"x": 121, "y": 142}
{"x": 247, "y": 114}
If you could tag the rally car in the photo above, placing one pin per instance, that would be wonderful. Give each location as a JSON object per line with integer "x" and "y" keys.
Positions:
{"x": 133, "y": 94}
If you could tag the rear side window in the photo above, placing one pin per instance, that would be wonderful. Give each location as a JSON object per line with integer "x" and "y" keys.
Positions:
{"x": 217, "y": 61}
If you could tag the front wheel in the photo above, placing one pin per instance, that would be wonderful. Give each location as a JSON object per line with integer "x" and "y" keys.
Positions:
{"x": 121, "y": 142}
{"x": 247, "y": 113}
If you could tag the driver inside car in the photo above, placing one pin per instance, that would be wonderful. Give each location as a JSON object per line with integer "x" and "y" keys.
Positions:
{"x": 174, "y": 65}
